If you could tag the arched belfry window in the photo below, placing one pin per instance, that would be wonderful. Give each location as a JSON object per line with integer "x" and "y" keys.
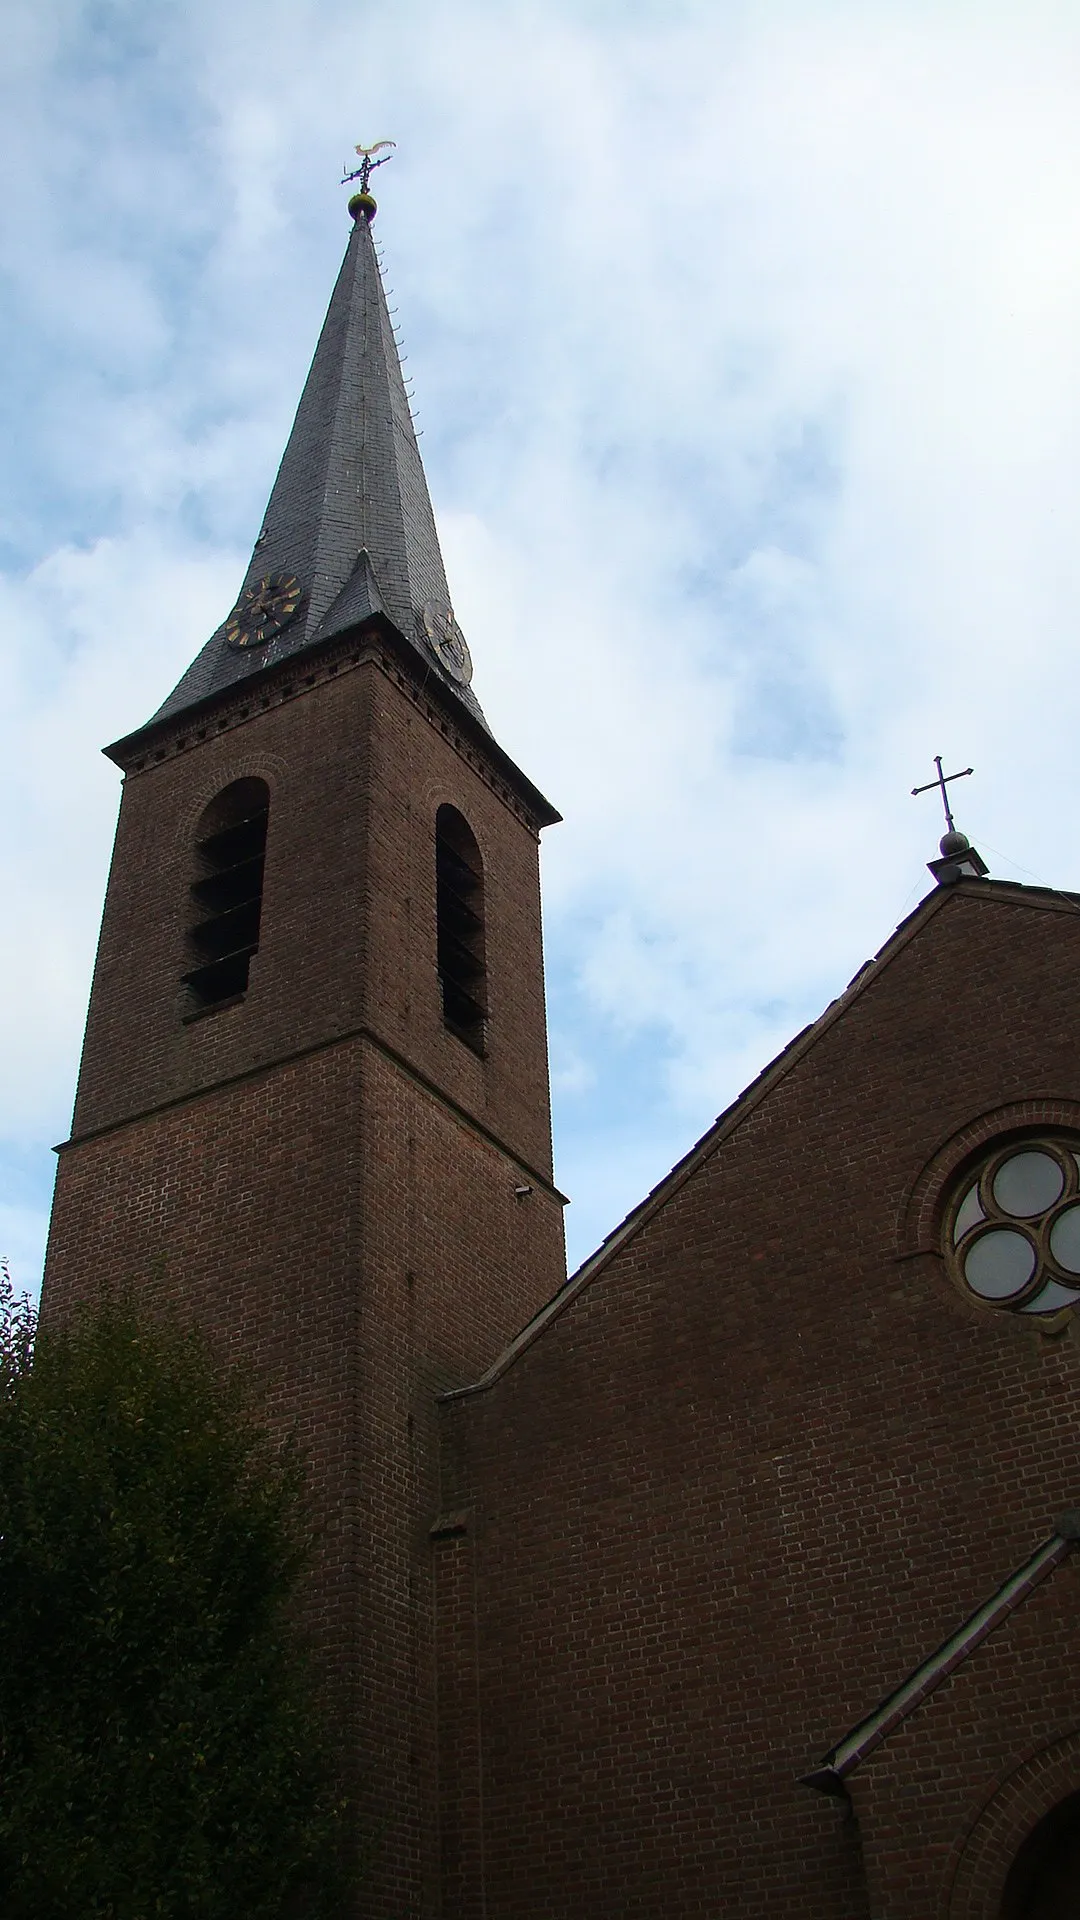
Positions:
{"x": 226, "y": 892}
{"x": 459, "y": 876}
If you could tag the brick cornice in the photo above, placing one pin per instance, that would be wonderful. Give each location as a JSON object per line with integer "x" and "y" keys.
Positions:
{"x": 376, "y": 644}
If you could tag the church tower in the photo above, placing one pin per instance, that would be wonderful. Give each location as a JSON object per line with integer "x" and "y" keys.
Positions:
{"x": 312, "y": 1113}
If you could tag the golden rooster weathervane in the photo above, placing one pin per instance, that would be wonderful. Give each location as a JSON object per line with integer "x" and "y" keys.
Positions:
{"x": 364, "y": 201}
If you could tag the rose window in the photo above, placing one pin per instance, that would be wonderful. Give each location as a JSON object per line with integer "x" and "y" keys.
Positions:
{"x": 1014, "y": 1235}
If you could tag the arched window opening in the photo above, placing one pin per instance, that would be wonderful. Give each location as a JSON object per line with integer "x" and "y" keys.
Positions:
{"x": 459, "y": 876}
{"x": 226, "y": 893}
{"x": 1044, "y": 1879}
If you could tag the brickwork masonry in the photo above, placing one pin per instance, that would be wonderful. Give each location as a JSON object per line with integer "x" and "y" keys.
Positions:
{"x": 322, "y": 1175}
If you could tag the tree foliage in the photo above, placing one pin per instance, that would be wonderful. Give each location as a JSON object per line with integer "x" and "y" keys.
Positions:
{"x": 159, "y": 1752}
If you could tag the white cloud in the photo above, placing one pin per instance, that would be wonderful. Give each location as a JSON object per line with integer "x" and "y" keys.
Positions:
{"x": 744, "y": 342}
{"x": 84, "y": 639}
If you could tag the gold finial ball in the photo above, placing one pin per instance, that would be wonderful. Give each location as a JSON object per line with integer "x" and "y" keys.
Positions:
{"x": 363, "y": 206}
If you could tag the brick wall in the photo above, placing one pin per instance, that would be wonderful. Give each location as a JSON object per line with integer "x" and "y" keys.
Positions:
{"x": 357, "y": 765}
{"x": 321, "y": 1175}
{"x": 921, "y": 1796}
{"x": 760, "y": 1465}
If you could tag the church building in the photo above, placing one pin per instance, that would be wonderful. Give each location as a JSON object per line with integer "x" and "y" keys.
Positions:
{"x": 735, "y": 1576}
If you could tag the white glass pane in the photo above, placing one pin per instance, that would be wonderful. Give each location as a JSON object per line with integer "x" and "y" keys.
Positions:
{"x": 1065, "y": 1239}
{"x": 999, "y": 1264}
{"x": 1028, "y": 1183}
{"x": 969, "y": 1215}
{"x": 1051, "y": 1297}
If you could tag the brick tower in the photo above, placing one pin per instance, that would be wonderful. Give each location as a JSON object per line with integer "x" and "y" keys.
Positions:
{"x": 312, "y": 1112}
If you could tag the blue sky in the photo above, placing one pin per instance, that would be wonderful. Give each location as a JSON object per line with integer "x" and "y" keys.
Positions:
{"x": 744, "y": 341}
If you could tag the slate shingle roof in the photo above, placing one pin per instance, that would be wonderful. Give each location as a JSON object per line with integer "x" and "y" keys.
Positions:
{"x": 349, "y": 513}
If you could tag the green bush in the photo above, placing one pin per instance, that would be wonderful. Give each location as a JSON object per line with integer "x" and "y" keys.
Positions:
{"x": 159, "y": 1750}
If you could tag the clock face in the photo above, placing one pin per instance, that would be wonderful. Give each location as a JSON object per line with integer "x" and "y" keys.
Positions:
{"x": 447, "y": 642}
{"x": 262, "y": 610}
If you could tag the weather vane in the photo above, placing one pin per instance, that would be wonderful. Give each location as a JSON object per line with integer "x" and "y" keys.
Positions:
{"x": 368, "y": 163}
{"x": 942, "y": 781}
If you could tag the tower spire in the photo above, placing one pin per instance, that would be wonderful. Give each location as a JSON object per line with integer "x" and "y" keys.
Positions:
{"x": 348, "y": 530}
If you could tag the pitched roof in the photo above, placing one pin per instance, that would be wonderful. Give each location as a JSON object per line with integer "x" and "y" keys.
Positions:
{"x": 349, "y": 514}
{"x": 726, "y": 1123}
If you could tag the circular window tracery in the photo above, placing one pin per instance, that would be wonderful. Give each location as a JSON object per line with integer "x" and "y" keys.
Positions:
{"x": 1013, "y": 1235}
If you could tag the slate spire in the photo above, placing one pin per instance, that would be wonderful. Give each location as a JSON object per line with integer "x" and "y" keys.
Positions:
{"x": 348, "y": 530}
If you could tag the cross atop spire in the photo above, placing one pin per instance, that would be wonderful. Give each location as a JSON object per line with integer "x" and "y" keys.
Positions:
{"x": 959, "y": 859}
{"x": 942, "y": 781}
{"x": 348, "y": 531}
